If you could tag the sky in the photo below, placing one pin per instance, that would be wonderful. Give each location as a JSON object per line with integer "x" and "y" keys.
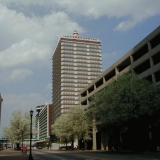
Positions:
{"x": 30, "y": 30}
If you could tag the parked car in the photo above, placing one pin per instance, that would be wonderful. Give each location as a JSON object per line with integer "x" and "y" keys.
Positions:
{"x": 39, "y": 147}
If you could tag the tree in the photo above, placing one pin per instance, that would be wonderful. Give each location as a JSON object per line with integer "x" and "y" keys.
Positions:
{"x": 79, "y": 124}
{"x": 72, "y": 125}
{"x": 125, "y": 100}
{"x": 61, "y": 129}
{"x": 19, "y": 126}
{"x": 127, "y": 103}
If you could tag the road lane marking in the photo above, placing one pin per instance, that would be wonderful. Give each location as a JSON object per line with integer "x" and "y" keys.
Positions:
{"x": 59, "y": 158}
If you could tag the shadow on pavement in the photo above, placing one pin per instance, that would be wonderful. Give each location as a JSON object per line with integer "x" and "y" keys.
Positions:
{"x": 10, "y": 154}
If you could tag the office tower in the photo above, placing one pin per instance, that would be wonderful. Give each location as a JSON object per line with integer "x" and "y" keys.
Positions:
{"x": 76, "y": 63}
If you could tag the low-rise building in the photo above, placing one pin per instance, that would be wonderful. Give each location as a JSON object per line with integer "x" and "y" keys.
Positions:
{"x": 43, "y": 121}
{"x": 143, "y": 59}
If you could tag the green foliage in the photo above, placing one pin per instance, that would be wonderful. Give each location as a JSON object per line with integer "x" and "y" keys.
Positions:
{"x": 77, "y": 120}
{"x": 19, "y": 125}
{"x": 61, "y": 128}
{"x": 72, "y": 125}
{"x": 127, "y": 102}
{"x": 47, "y": 145}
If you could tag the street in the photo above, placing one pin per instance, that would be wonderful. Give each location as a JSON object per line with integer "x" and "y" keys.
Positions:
{"x": 90, "y": 155}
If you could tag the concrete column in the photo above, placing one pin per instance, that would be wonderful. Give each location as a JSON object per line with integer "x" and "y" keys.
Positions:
{"x": 153, "y": 78}
{"x": 85, "y": 145}
{"x": 131, "y": 59}
{"x": 94, "y": 86}
{"x": 104, "y": 140}
{"x": 116, "y": 70}
{"x": 104, "y": 80}
{"x": 87, "y": 101}
{"x": 94, "y": 131}
{"x": 152, "y": 64}
{"x": 87, "y": 92}
{"x": 149, "y": 46}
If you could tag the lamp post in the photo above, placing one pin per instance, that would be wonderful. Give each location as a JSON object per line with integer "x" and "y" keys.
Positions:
{"x": 30, "y": 154}
{"x": 2, "y": 143}
{"x": 22, "y": 142}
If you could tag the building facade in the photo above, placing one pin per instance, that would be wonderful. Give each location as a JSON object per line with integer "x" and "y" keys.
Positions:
{"x": 76, "y": 63}
{"x": 143, "y": 59}
{"x": 43, "y": 121}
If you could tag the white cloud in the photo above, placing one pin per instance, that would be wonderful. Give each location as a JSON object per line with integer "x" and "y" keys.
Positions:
{"x": 22, "y": 101}
{"x": 134, "y": 12}
{"x": 109, "y": 55}
{"x": 44, "y": 29}
{"x": 25, "y": 53}
{"x": 29, "y": 42}
{"x": 139, "y": 12}
{"x": 20, "y": 74}
{"x": 48, "y": 87}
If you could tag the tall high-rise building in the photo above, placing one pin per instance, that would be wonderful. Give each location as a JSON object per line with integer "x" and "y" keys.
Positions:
{"x": 76, "y": 63}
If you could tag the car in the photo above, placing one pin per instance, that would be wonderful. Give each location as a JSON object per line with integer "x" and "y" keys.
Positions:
{"x": 39, "y": 147}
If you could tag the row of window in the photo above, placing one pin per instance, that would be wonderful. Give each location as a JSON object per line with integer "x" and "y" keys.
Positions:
{"x": 64, "y": 110}
{"x": 81, "y": 64}
{"x": 57, "y": 106}
{"x": 72, "y": 84}
{"x": 81, "y": 60}
{"x": 77, "y": 48}
{"x": 79, "y": 72}
{"x": 79, "y": 52}
{"x": 66, "y": 106}
{"x": 67, "y": 93}
{"x": 42, "y": 124}
{"x": 78, "y": 76}
{"x": 81, "y": 56}
{"x": 70, "y": 88}
{"x": 76, "y": 80}
{"x": 56, "y": 101}
{"x": 56, "y": 87}
{"x": 81, "y": 68}
{"x": 56, "y": 93}
{"x": 81, "y": 44}
{"x": 57, "y": 113}
{"x": 69, "y": 101}
{"x": 75, "y": 97}
{"x": 43, "y": 111}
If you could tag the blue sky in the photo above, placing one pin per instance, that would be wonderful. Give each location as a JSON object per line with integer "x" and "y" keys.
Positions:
{"x": 31, "y": 29}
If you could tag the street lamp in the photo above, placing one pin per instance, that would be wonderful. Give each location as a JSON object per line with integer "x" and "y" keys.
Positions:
{"x": 22, "y": 141}
{"x": 2, "y": 143}
{"x": 30, "y": 154}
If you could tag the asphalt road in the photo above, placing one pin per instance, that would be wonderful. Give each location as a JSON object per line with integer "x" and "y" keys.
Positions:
{"x": 91, "y": 155}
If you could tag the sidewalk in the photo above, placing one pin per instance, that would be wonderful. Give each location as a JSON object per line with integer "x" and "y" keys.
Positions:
{"x": 11, "y": 154}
